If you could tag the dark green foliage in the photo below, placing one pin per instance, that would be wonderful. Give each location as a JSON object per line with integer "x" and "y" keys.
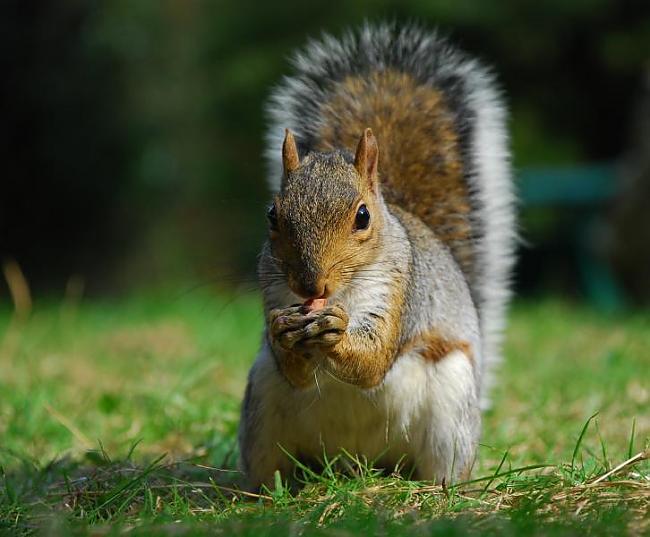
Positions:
{"x": 132, "y": 131}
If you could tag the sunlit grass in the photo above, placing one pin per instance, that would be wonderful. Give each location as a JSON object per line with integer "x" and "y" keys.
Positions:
{"x": 125, "y": 413}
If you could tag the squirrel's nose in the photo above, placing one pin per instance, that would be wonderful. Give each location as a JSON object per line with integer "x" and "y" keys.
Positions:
{"x": 311, "y": 288}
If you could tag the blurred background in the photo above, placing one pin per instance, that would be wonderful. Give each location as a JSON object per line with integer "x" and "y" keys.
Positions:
{"x": 131, "y": 136}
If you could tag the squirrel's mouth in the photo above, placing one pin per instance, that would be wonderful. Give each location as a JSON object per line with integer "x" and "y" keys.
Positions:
{"x": 315, "y": 304}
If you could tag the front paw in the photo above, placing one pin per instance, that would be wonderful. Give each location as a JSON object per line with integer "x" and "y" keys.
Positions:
{"x": 284, "y": 321}
{"x": 293, "y": 328}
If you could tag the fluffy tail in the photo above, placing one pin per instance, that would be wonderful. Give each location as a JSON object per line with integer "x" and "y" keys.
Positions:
{"x": 444, "y": 156}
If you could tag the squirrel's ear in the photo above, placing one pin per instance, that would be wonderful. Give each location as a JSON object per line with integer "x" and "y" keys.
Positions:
{"x": 290, "y": 158}
{"x": 367, "y": 158}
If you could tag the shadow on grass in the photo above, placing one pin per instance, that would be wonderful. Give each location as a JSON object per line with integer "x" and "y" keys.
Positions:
{"x": 96, "y": 490}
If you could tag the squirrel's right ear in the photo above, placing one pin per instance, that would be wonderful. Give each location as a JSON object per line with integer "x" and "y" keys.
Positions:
{"x": 290, "y": 157}
{"x": 366, "y": 159}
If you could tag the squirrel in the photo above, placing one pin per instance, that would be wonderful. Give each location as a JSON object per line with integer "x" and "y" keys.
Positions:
{"x": 385, "y": 276}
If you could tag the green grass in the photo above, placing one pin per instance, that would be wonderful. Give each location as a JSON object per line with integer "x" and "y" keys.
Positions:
{"x": 119, "y": 416}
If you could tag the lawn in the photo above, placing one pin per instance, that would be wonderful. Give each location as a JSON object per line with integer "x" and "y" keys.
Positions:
{"x": 122, "y": 415}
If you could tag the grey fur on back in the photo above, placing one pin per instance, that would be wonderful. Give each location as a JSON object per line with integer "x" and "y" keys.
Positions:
{"x": 479, "y": 115}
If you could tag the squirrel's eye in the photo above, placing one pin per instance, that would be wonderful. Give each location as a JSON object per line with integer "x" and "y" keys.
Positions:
{"x": 272, "y": 217}
{"x": 362, "y": 220}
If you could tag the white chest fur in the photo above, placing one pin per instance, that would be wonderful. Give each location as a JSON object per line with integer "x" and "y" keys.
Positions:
{"x": 418, "y": 415}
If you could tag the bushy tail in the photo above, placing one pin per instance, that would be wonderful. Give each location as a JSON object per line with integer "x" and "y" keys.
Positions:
{"x": 440, "y": 124}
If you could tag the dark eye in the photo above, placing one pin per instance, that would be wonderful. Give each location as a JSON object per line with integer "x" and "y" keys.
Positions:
{"x": 362, "y": 220}
{"x": 272, "y": 217}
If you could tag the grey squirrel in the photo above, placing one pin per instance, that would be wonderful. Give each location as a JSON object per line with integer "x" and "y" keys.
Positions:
{"x": 385, "y": 275}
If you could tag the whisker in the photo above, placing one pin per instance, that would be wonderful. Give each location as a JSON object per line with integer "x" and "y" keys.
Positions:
{"x": 339, "y": 380}
{"x": 316, "y": 369}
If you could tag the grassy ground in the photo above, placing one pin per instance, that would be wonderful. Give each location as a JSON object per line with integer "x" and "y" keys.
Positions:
{"x": 122, "y": 416}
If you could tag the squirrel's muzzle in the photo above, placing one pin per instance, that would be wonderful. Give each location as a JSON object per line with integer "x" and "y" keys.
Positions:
{"x": 309, "y": 287}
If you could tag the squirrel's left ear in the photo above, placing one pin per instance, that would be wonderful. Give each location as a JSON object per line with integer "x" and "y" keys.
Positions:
{"x": 367, "y": 158}
{"x": 290, "y": 157}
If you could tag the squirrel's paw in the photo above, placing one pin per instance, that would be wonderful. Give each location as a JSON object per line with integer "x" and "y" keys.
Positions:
{"x": 325, "y": 327}
{"x": 283, "y": 322}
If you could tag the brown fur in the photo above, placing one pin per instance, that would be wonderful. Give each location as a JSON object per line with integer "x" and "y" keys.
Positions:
{"x": 316, "y": 209}
{"x": 421, "y": 173}
{"x": 295, "y": 366}
{"x": 320, "y": 250}
{"x": 363, "y": 359}
{"x": 434, "y": 347}
{"x": 420, "y": 162}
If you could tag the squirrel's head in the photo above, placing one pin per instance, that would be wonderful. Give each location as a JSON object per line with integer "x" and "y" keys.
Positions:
{"x": 324, "y": 224}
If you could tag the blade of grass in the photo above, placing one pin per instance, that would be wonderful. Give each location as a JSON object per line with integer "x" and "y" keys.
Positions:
{"x": 496, "y": 473}
{"x": 113, "y": 496}
{"x": 580, "y": 438}
{"x": 132, "y": 449}
{"x": 603, "y": 448}
{"x": 630, "y": 448}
